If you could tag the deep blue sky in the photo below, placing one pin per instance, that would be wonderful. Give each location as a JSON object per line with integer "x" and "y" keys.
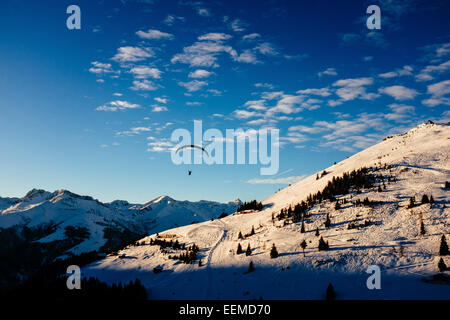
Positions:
{"x": 92, "y": 110}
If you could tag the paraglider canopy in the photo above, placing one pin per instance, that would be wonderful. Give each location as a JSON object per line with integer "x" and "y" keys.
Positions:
{"x": 192, "y": 146}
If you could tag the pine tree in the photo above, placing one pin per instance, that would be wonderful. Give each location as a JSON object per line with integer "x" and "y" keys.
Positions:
{"x": 323, "y": 245}
{"x": 302, "y": 229}
{"x": 253, "y": 231}
{"x": 431, "y": 199}
{"x": 200, "y": 264}
{"x": 441, "y": 265}
{"x": 422, "y": 228}
{"x": 317, "y": 232}
{"x": 240, "y": 235}
{"x": 337, "y": 206}
{"x": 248, "y": 252}
{"x": 447, "y": 185}
{"x": 327, "y": 221}
{"x": 239, "y": 249}
{"x": 425, "y": 199}
{"x": 331, "y": 294}
{"x": 443, "y": 249}
{"x": 379, "y": 189}
{"x": 412, "y": 200}
{"x": 303, "y": 245}
{"x": 273, "y": 252}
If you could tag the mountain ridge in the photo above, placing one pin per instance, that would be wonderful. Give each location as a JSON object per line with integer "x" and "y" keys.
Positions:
{"x": 384, "y": 230}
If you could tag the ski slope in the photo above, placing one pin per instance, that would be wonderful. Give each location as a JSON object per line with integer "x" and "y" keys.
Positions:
{"x": 418, "y": 159}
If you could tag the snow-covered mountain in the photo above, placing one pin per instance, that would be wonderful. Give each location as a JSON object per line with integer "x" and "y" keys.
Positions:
{"x": 385, "y": 232}
{"x": 62, "y": 210}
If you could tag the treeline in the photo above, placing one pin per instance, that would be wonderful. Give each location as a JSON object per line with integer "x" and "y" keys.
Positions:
{"x": 352, "y": 181}
{"x": 251, "y": 205}
{"x": 49, "y": 282}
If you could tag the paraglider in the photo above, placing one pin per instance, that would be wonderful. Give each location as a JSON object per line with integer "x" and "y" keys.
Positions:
{"x": 193, "y": 146}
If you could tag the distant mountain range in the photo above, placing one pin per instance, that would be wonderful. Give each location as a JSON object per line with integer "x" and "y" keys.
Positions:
{"x": 62, "y": 213}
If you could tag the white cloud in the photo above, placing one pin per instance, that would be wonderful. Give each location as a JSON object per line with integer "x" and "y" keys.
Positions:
{"x": 323, "y": 92}
{"x": 439, "y": 89}
{"x": 143, "y": 72}
{"x": 203, "y": 12}
{"x": 215, "y": 92}
{"x": 193, "y": 103}
{"x": 438, "y": 93}
{"x": 157, "y": 108}
{"x": 272, "y": 95}
{"x": 328, "y": 71}
{"x": 118, "y": 105}
{"x": 162, "y": 145}
{"x": 399, "y": 92}
{"x": 244, "y": 114}
{"x": 264, "y": 85}
{"x": 351, "y": 89}
{"x": 306, "y": 129}
{"x": 288, "y": 104}
{"x": 170, "y": 19}
{"x": 266, "y": 48}
{"x": 247, "y": 57}
{"x": 203, "y": 54}
{"x": 100, "y": 68}
{"x": 132, "y": 54}
{"x": 154, "y": 34}
{"x": 146, "y": 85}
{"x": 194, "y": 85}
{"x": 200, "y": 73}
{"x": 237, "y": 25}
{"x": 215, "y": 36}
{"x": 256, "y": 105}
{"x": 426, "y": 74}
{"x": 405, "y": 71}
{"x": 161, "y": 100}
{"x": 251, "y": 36}
{"x": 401, "y": 113}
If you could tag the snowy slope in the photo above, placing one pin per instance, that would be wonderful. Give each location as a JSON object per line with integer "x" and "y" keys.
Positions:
{"x": 419, "y": 161}
{"x": 63, "y": 208}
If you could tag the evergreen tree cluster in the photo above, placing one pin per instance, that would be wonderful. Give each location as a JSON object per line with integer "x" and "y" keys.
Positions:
{"x": 251, "y": 205}
{"x": 251, "y": 233}
{"x": 366, "y": 202}
{"x": 425, "y": 199}
{"x": 189, "y": 256}
{"x": 164, "y": 244}
{"x": 50, "y": 283}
